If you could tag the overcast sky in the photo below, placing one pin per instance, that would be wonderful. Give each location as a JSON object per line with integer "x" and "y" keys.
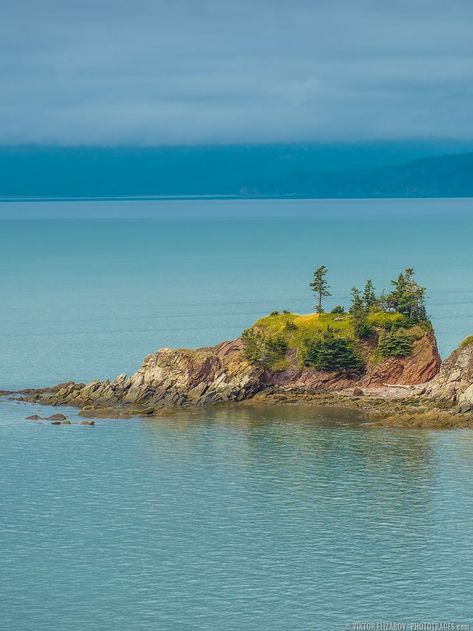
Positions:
{"x": 193, "y": 71}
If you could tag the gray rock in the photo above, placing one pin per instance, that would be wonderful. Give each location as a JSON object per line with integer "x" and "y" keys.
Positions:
{"x": 33, "y": 417}
{"x": 57, "y": 417}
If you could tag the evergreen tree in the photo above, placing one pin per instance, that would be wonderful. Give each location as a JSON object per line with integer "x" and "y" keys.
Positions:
{"x": 381, "y": 302}
{"x": 358, "y": 311}
{"x": 320, "y": 287}
{"x": 331, "y": 353}
{"x": 407, "y": 297}
{"x": 395, "y": 344}
{"x": 262, "y": 349}
{"x": 357, "y": 304}
{"x": 369, "y": 294}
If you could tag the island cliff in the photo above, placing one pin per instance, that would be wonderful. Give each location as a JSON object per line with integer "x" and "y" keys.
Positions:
{"x": 380, "y": 356}
{"x": 224, "y": 373}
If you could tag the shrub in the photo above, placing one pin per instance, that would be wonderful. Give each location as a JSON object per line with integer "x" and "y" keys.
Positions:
{"x": 273, "y": 313}
{"x": 253, "y": 341}
{"x": 290, "y": 326}
{"x": 331, "y": 353}
{"x": 395, "y": 343}
{"x": 262, "y": 349}
{"x": 286, "y": 312}
{"x": 338, "y": 309}
{"x": 276, "y": 347}
{"x": 362, "y": 328}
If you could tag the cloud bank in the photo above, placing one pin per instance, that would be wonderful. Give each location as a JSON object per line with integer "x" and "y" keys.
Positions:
{"x": 215, "y": 71}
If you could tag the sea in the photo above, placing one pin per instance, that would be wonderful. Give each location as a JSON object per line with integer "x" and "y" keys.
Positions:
{"x": 228, "y": 518}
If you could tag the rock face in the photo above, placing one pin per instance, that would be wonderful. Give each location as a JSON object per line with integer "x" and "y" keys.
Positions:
{"x": 222, "y": 374}
{"x": 454, "y": 382}
{"x": 423, "y": 364}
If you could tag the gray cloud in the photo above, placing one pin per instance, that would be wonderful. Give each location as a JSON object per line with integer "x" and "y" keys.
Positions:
{"x": 191, "y": 71}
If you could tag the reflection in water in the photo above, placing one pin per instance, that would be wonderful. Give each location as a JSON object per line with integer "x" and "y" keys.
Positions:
{"x": 388, "y": 471}
{"x": 233, "y": 517}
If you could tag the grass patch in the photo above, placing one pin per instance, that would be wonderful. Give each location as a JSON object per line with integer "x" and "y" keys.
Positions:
{"x": 467, "y": 341}
{"x": 385, "y": 320}
{"x": 299, "y": 333}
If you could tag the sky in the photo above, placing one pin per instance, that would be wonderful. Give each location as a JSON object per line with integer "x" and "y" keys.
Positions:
{"x": 242, "y": 71}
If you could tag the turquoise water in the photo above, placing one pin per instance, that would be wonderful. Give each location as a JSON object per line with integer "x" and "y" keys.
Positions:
{"x": 223, "y": 518}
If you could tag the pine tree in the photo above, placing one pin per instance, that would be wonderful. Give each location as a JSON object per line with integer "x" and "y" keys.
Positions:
{"x": 357, "y": 304}
{"x": 320, "y": 287}
{"x": 407, "y": 297}
{"x": 331, "y": 353}
{"x": 358, "y": 310}
{"x": 369, "y": 294}
{"x": 395, "y": 344}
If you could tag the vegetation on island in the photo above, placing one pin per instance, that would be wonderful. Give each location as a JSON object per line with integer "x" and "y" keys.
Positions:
{"x": 372, "y": 327}
{"x": 320, "y": 287}
{"x": 467, "y": 341}
{"x": 331, "y": 352}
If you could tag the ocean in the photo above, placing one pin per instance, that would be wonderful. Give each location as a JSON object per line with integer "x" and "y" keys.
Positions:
{"x": 225, "y": 518}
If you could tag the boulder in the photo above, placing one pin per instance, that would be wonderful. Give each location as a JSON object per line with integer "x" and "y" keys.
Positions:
{"x": 57, "y": 417}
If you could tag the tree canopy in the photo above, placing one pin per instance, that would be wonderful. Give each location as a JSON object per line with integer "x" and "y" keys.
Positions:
{"x": 407, "y": 297}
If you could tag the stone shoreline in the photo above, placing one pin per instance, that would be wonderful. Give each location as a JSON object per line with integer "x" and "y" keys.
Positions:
{"x": 393, "y": 393}
{"x": 394, "y": 407}
{"x": 382, "y": 409}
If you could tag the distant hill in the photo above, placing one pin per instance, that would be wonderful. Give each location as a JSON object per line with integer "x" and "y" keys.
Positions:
{"x": 443, "y": 176}
{"x": 369, "y": 169}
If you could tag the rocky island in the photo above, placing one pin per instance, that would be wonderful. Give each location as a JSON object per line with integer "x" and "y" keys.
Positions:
{"x": 380, "y": 355}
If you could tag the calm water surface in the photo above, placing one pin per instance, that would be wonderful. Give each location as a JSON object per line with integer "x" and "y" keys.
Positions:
{"x": 221, "y": 519}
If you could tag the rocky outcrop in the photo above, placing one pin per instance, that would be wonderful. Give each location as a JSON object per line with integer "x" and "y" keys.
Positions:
{"x": 421, "y": 366}
{"x": 221, "y": 373}
{"x": 169, "y": 377}
{"x": 454, "y": 382}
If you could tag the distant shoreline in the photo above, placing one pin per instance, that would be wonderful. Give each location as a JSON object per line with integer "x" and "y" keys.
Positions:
{"x": 209, "y": 197}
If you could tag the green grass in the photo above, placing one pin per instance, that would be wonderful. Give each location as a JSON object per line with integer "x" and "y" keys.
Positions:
{"x": 467, "y": 341}
{"x": 299, "y": 331}
{"x": 310, "y": 325}
{"x": 386, "y": 320}
{"x": 304, "y": 329}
